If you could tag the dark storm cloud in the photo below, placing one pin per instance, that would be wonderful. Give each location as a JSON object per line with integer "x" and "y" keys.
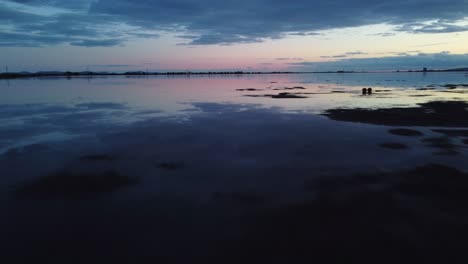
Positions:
{"x": 69, "y": 26}
{"x": 442, "y": 60}
{"x": 232, "y": 21}
{"x": 29, "y": 40}
{"x": 13, "y": 17}
{"x": 229, "y": 21}
{"x": 75, "y": 4}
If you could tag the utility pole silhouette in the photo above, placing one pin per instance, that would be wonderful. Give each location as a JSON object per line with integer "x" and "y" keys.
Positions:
{"x": 6, "y": 69}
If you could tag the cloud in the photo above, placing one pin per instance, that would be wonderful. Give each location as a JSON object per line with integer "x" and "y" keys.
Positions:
{"x": 432, "y": 27}
{"x": 345, "y": 55}
{"x": 97, "y": 43}
{"x": 356, "y": 53}
{"x": 430, "y": 44}
{"x": 29, "y": 40}
{"x": 385, "y": 34}
{"x": 402, "y": 61}
{"x": 210, "y": 22}
{"x": 221, "y": 39}
{"x": 305, "y": 34}
{"x": 32, "y": 24}
{"x": 102, "y": 105}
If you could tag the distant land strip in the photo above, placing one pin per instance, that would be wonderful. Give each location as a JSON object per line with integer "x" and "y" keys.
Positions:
{"x": 69, "y": 74}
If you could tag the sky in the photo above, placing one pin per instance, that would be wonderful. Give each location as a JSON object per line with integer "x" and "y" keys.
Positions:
{"x": 263, "y": 35}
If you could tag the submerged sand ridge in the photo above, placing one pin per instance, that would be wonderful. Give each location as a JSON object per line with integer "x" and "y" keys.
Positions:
{"x": 434, "y": 113}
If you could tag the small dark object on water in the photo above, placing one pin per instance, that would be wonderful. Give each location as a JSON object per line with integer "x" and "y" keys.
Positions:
{"x": 367, "y": 91}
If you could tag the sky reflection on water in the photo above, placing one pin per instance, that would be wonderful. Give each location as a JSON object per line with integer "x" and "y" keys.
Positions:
{"x": 85, "y": 110}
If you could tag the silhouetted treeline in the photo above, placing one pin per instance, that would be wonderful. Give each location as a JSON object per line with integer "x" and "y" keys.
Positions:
{"x": 429, "y": 70}
{"x": 132, "y": 73}
{"x": 69, "y": 74}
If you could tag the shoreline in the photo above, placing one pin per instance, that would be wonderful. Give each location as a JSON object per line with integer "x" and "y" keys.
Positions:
{"x": 19, "y": 75}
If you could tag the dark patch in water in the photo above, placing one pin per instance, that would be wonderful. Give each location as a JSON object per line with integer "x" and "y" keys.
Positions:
{"x": 436, "y": 113}
{"x": 397, "y": 146}
{"x": 450, "y": 86}
{"x": 443, "y": 144}
{"x": 171, "y": 165}
{"x": 248, "y": 89}
{"x": 290, "y": 88}
{"x": 279, "y": 96}
{"x": 287, "y": 95}
{"x": 365, "y": 217}
{"x": 401, "y": 215}
{"x": 244, "y": 198}
{"x": 456, "y": 91}
{"x": 67, "y": 185}
{"x": 405, "y": 132}
{"x": 425, "y": 89}
{"x": 453, "y": 132}
{"x": 97, "y": 157}
{"x": 420, "y": 95}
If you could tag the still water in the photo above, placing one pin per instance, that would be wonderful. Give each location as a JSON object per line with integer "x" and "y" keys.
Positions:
{"x": 217, "y": 123}
{"x": 172, "y": 94}
{"x": 126, "y": 170}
